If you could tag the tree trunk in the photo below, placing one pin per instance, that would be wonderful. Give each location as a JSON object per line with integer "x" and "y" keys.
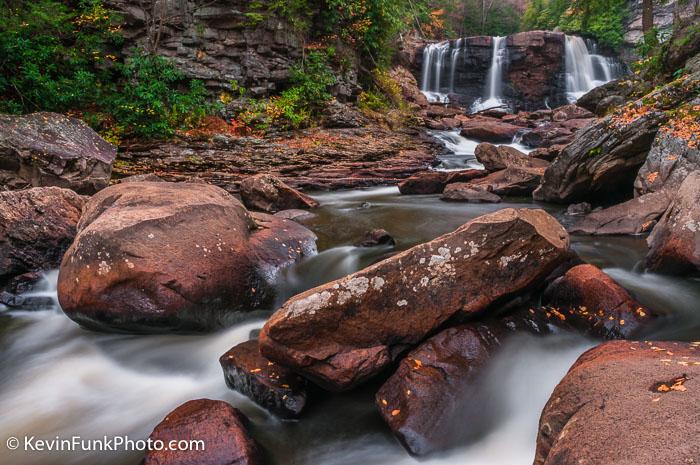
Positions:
{"x": 647, "y": 15}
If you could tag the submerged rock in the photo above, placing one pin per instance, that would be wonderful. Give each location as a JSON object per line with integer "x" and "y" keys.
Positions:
{"x": 674, "y": 243}
{"x": 635, "y": 216}
{"x": 157, "y": 257}
{"x": 625, "y": 402}
{"x": 221, "y": 429}
{"x": 375, "y": 238}
{"x": 433, "y": 389}
{"x": 590, "y": 301}
{"x": 268, "y": 384}
{"x": 48, "y": 149}
{"x": 267, "y": 193}
{"x": 36, "y": 227}
{"x": 344, "y": 332}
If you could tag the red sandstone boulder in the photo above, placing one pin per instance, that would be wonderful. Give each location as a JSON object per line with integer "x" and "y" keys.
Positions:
{"x": 674, "y": 243}
{"x": 590, "y": 301}
{"x": 635, "y": 216}
{"x": 428, "y": 182}
{"x": 36, "y": 227}
{"x": 221, "y": 428}
{"x": 515, "y": 181}
{"x": 486, "y": 130}
{"x": 465, "y": 192}
{"x": 495, "y": 158}
{"x": 267, "y": 193}
{"x": 344, "y": 332}
{"x": 48, "y": 149}
{"x": 155, "y": 257}
{"x": 268, "y": 384}
{"x": 625, "y": 403}
{"x": 433, "y": 390}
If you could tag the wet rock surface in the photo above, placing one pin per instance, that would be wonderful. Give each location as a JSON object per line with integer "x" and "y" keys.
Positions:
{"x": 485, "y": 130}
{"x": 465, "y": 192}
{"x": 268, "y": 384}
{"x": 376, "y": 237}
{"x": 433, "y": 388}
{"x": 48, "y": 149}
{"x": 590, "y": 301}
{"x": 635, "y": 216}
{"x": 674, "y": 243}
{"x": 495, "y": 158}
{"x": 267, "y": 193}
{"x": 325, "y": 334}
{"x": 158, "y": 257}
{"x": 36, "y": 227}
{"x": 644, "y": 395}
{"x": 222, "y": 428}
{"x": 434, "y": 182}
{"x": 314, "y": 159}
{"x": 513, "y": 181}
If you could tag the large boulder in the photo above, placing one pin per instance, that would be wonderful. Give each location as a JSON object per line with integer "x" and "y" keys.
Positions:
{"x": 433, "y": 388}
{"x": 590, "y": 301}
{"x": 434, "y": 182}
{"x": 344, "y": 332}
{"x": 612, "y": 95}
{"x": 674, "y": 243}
{"x": 514, "y": 181}
{"x": 495, "y": 158}
{"x": 36, "y": 227}
{"x": 625, "y": 403}
{"x": 670, "y": 161}
{"x": 465, "y": 192}
{"x": 268, "y": 384}
{"x": 489, "y": 130}
{"x": 160, "y": 256}
{"x": 221, "y": 430}
{"x": 267, "y": 193}
{"x": 604, "y": 157}
{"x": 48, "y": 149}
{"x": 635, "y": 216}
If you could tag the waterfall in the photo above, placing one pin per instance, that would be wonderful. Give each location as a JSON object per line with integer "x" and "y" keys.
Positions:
{"x": 433, "y": 64}
{"x": 494, "y": 78}
{"x": 585, "y": 68}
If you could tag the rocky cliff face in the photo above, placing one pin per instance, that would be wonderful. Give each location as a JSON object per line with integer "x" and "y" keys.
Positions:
{"x": 216, "y": 42}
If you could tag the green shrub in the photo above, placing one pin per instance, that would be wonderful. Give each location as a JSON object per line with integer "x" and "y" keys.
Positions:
{"x": 373, "y": 101}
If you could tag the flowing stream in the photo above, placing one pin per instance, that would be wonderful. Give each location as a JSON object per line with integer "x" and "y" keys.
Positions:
{"x": 57, "y": 379}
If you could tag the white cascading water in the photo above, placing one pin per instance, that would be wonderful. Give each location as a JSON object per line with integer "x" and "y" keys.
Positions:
{"x": 433, "y": 63}
{"x": 494, "y": 78}
{"x": 585, "y": 68}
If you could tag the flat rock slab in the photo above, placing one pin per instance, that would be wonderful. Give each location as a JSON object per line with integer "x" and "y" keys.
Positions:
{"x": 465, "y": 192}
{"x": 268, "y": 384}
{"x": 344, "y": 332}
{"x": 635, "y": 216}
{"x": 627, "y": 403}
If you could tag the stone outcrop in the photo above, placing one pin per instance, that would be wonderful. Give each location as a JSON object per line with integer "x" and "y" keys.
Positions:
{"x": 314, "y": 159}
{"x": 674, "y": 243}
{"x": 36, "y": 227}
{"x": 267, "y": 193}
{"x": 590, "y": 301}
{"x": 48, "y": 149}
{"x": 433, "y": 388}
{"x": 344, "y": 332}
{"x": 664, "y": 17}
{"x": 669, "y": 162}
{"x": 495, "y": 158}
{"x": 644, "y": 395}
{"x": 614, "y": 94}
{"x": 605, "y": 156}
{"x": 268, "y": 384}
{"x": 635, "y": 216}
{"x": 159, "y": 256}
{"x": 222, "y": 430}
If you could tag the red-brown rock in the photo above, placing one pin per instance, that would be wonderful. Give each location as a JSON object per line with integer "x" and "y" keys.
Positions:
{"x": 268, "y": 384}
{"x": 433, "y": 390}
{"x": 428, "y": 182}
{"x": 489, "y": 131}
{"x": 154, "y": 257}
{"x": 375, "y": 238}
{"x": 267, "y": 193}
{"x": 495, "y": 158}
{"x": 589, "y": 300}
{"x": 513, "y": 181}
{"x": 674, "y": 243}
{"x": 465, "y": 192}
{"x": 625, "y": 403}
{"x": 36, "y": 227}
{"x": 49, "y": 149}
{"x": 344, "y": 332}
{"x": 221, "y": 427}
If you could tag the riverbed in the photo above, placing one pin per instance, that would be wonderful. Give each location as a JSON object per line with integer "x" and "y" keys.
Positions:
{"x": 57, "y": 379}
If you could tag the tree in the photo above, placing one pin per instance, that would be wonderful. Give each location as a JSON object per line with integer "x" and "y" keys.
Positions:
{"x": 647, "y": 15}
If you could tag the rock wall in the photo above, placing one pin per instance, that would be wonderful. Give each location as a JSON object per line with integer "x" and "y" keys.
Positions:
{"x": 216, "y": 42}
